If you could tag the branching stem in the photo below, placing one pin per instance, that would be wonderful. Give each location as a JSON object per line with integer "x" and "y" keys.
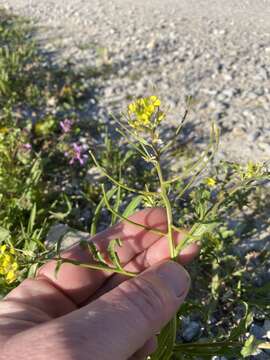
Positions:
{"x": 151, "y": 229}
{"x": 123, "y": 186}
{"x": 96, "y": 266}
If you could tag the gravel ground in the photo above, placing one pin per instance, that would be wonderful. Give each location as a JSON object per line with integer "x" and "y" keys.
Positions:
{"x": 216, "y": 50}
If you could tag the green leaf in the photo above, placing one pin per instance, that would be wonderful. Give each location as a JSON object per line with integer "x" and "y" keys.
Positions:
{"x": 132, "y": 206}
{"x": 197, "y": 232}
{"x": 4, "y": 234}
{"x": 166, "y": 341}
{"x": 116, "y": 205}
{"x": 250, "y": 347}
{"x": 97, "y": 213}
{"x": 93, "y": 251}
{"x": 127, "y": 156}
{"x": 32, "y": 219}
{"x": 32, "y": 271}
{"x": 59, "y": 243}
{"x": 113, "y": 254}
{"x": 206, "y": 350}
{"x": 62, "y": 215}
{"x": 204, "y": 227}
{"x": 244, "y": 323}
{"x": 57, "y": 267}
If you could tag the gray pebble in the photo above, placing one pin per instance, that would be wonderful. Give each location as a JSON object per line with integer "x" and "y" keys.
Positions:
{"x": 191, "y": 331}
{"x": 257, "y": 331}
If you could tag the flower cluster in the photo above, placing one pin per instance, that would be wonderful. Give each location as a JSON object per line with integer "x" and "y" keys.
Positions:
{"x": 66, "y": 125}
{"x": 76, "y": 154}
{"x": 27, "y": 146}
{"x": 8, "y": 264}
{"x": 252, "y": 170}
{"x": 145, "y": 113}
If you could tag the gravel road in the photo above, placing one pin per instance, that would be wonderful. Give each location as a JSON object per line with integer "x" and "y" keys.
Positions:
{"x": 216, "y": 50}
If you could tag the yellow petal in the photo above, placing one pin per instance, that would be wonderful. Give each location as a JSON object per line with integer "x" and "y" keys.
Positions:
{"x": 4, "y": 130}
{"x": 12, "y": 251}
{"x": 10, "y": 277}
{"x": 15, "y": 266}
{"x": 210, "y": 182}
{"x": 3, "y": 248}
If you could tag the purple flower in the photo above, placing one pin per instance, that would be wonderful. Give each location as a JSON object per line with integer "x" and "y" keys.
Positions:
{"x": 27, "y": 146}
{"x": 66, "y": 125}
{"x": 77, "y": 154}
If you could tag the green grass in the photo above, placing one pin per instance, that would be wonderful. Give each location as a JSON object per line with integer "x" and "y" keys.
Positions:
{"x": 40, "y": 187}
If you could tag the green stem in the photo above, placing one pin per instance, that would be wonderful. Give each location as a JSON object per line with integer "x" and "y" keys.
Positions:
{"x": 211, "y": 211}
{"x": 123, "y": 186}
{"x": 202, "y": 345}
{"x": 96, "y": 266}
{"x": 150, "y": 229}
{"x": 172, "y": 142}
{"x": 168, "y": 210}
{"x": 213, "y": 144}
{"x": 174, "y": 330}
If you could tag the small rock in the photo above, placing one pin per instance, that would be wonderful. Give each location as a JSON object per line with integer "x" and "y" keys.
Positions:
{"x": 266, "y": 327}
{"x": 265, "y": 147}
{"x": 227, "y": 77}
{"x": 253, "y": 136}
{"x": 55, "y": 233}
{"x": 257, "y": 331}
{"x": 192, "y": 330}
{"x": 67, "y": 235}
{"x": 261, "y": 355}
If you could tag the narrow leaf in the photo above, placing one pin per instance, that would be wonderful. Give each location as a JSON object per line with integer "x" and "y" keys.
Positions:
{"x": 97, "y": 213}
{"x": 57, "y": 267}
{"x": 94, "y": 251}
{"x": 32, "y": 219}
{"x": 132, "y": 206}
{"x": 4, "y": 234}
{"x": 116, "y": 205}
{"x": 113, "y": 254}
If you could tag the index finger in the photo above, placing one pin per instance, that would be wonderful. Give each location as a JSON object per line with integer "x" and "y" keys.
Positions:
{"x": 79, "y": 283}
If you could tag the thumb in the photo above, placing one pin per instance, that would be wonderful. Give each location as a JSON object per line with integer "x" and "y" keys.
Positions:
{"x": 120, "y": 322}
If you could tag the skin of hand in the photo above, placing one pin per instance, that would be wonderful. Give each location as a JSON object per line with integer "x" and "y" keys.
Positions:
{"x": 87, "y": 314}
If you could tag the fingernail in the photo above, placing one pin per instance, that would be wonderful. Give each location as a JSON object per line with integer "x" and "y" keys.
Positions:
{"x": 175, "y": 276}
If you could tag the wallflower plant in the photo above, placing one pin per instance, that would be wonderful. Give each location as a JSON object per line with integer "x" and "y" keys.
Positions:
{"x": 140, "y": 127}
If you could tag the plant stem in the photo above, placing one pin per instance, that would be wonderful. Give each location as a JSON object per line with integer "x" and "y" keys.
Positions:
{"x": 150, "y": 229}
{"x": 125, "y": 187}
{"x": 96, "y": 266}
{"x": 168, "y": 210}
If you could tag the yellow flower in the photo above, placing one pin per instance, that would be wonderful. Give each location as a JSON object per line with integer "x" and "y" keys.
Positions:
{"x": 11, "y": 276}
{"x": 44, "y": 127}
{"x": 4, "y": 130}
{"x": 145, "y": 113}
{"x": 3, "y": 249}
{"x": 210, "y": 182}
{"x": 252, "y": 170}
{"x": 8, "y": 264}
{"x": 66, "y": 91}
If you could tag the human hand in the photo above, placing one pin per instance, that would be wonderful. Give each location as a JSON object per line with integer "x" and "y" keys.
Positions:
{"x": 86, "y": 314}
